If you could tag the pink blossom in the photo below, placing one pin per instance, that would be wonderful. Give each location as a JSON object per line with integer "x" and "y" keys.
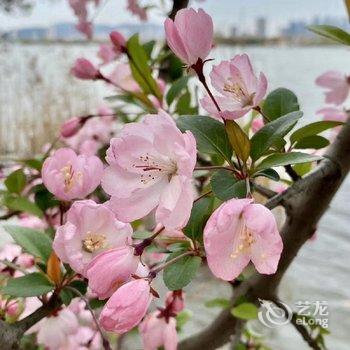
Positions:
{"x": 53, "y": 331}
{"x": 32, "y": 221}
{"x": 240, "y": 231}
{"x": 239, "y": 88}
{"x": 70, "y": 127}
{"x": 334, "y": 114}
{"x": 134, "y": 7}
{"x": 158, "y": 332}
{"x": 338, "y": 85}
{"x": 126, "y": 307}
{"x": 25, "y": 260}
{"x": 79, "y": 7}
{"x": 118, "y": 41}
{"x": 84, "y": 69}
{"x": 90, "y": 229}
{"x": 175, "y": 301}
{"x": 107, "y": 53}
{"x": 89, "y": 147}
{"x": 70, "y": 176}
{"x": 257, "y": 124}
{"x": 110, "y": 269}
{"x": 122, "y": 78}
{"x": 85, "y": 27}
{"x": 150, "y": 167}
{"x": 190, "y": 35}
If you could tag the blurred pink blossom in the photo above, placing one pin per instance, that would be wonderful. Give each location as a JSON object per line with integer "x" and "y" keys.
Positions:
{"x": 158, "y": 332}
{"x": 106, "y": 53}
{"x": 134, "y": 7}
{"x": 337, "y": 84}
{"x": 84, "y": 69}
{"x": 335, "y": 114}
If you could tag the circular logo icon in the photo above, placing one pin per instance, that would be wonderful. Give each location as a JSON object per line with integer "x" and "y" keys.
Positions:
{"x": 270, "y": 315}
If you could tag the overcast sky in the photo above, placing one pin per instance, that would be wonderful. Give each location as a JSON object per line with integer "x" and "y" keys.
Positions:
{"x": 226, "y": 13}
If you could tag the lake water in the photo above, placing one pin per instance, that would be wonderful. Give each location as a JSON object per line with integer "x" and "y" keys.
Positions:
{"x": 36, "y": 94}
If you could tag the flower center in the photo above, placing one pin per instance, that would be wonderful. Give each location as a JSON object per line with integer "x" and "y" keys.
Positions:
{"x": 246, "y": 240}
{"x": 155, "y": 167}
{"x": 68, "y": 177}
{"x": 239, "y": 93}
{"x": 94, "y": 242}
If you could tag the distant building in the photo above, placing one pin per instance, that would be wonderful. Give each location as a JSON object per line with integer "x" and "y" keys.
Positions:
{"x": 260, "y": 27}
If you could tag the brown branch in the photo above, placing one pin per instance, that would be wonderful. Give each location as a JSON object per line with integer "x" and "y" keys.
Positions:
{"x": 177, "y": 5}
{"x": 305, "y": 203}
{"x": 300, "y": 328}
{"x": 264, "y": 191}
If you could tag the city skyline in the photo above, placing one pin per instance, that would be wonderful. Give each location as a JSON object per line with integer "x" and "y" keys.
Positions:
{"x": 227, "y": 13}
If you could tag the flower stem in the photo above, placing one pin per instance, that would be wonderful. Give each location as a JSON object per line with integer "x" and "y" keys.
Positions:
{"x": 154, "y": 272}
{"x": 105, "y": 342}
{"x": 265, "y": 117}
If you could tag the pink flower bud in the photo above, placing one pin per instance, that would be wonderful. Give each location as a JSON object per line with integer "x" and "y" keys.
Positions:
{"x": 126, "y": 307}
{"x": 25, "y": 260}
{"x": 110, "y": 269}
{"x": 257, "y": 124}
{"x": 70, "y": 176}
{"x": 158, "y": 332}
{"x": 175, "y": 301}
{"x": 13, "y": 309}
{"x": 118, "y": 41}
{"x": 107, "y": 53}
{"x": 84, "y": 69}
{"x": 238, "y": 232}
{"x": 190, "y": 35}
{"x": 71, "y": 127}
{"x": 85, "y": 28}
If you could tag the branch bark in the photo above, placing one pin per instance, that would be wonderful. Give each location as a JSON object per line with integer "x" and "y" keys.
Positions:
{"x": 177, "y": 5}
{"x": 305, "y": 203}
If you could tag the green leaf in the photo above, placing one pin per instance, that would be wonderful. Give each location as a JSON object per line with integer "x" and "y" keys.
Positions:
{"x": 33, "y": 163}
{"x": 45, "y": 199}
{"x": 225, "y": 186}
{"x": 16, "y": 181}
{"x": 218, "y": 302}
{"x": 148, "y": 47}
{"x": 281, "y": 159}
{"x": 81, "y": 286}
{"x": 34, "y": 242}
{"x": 182, "y": 318}
{"x": 269, "y": 173}
{"x": 332, "y": 33}
{"x": 210, "y": 135}
{"x": 199, "y": 215}
{"x": 140, "y": 69}
{"x": 280, "y": 102}
{"x": 30, "y": 285}
{"x": 66, "y": 296}
{"x": 178, "y": 275}
{"x": 313, "y": 129}
{"x": 272, "y": 133}
{"x": 22, "y": 204}
{"x": 176, "y": 89}
{"x": 238, "y": 139}
{"x": 141, "y": 234}
{"x": 183, "y": 105}
{"x": 302, "y": 168}
{"x": 314, "y": 142}
{"x": 245, "y": 311}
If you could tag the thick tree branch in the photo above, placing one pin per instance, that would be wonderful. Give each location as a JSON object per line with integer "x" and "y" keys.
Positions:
{"x": 11, "y": 334}
{"x": 305, "y": 202}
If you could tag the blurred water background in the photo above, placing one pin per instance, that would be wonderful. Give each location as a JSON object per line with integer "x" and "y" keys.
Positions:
{"x": 37, "y": 93}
